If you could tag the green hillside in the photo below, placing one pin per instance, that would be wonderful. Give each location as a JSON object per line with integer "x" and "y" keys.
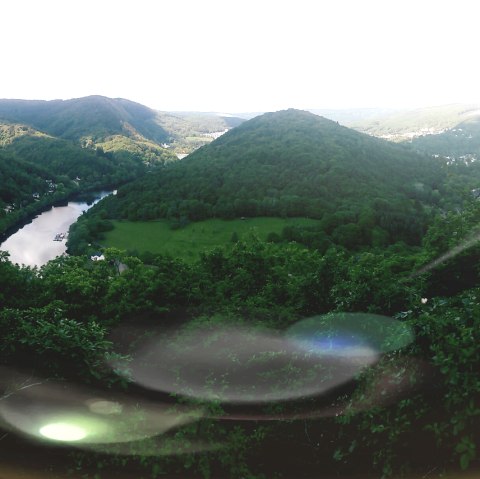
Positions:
{"x": 88, "y": 118}
{"x": 254, "y": 337}
{"x": 461, "y": 143}
{"x": 94, "y": 120}
{"x": 51, "y": 150}
{"x": 19, "y": 180}
{"x": 26, "y": 188}
{"x": 451, "y": 131}
{"x": 95, "y": 168}
{"x": 293, "y": 163}
{"x": 121, "y": 127}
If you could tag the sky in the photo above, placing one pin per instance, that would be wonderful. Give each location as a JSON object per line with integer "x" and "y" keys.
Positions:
{"x": 243, "y": 56}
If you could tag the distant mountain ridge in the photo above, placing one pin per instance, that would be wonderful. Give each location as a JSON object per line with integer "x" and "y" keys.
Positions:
{"x": 96, "y": 119}
{"x": 70, "y": 137}
{"x": 415, "y": 123}
{"x": 94, "y": 116}
{"x": 451, "y": 131}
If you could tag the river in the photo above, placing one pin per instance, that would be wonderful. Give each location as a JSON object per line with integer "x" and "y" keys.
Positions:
{"x": 34, "y": 245}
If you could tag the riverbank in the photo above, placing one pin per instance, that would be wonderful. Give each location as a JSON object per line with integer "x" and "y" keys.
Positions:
{"x": 16, "y": 220}
{"x": 37, "y": 241}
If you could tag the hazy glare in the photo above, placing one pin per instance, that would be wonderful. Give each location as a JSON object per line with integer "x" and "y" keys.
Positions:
{"x": 254, "y": 55}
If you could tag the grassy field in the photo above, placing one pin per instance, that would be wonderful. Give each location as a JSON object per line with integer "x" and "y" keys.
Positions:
{"x": 188, "y": 242}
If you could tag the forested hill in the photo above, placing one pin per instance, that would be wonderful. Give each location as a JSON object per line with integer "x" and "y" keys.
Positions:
{"x": 293, "y": 163}
{"x": 93, "y": 117}
{"x": 460, "y": 143}
{"x": 102, "y": 141}
{"x": 451, "y": 131}
{"x": 52, "y": 149}
{"x": 38, "y": 170}
{"x": 409, "y": 124}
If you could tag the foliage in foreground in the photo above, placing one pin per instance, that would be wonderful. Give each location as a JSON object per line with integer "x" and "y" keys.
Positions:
{"x": 60, "y": 317}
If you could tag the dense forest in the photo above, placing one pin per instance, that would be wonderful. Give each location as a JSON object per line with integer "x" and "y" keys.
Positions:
{"x": 53, "y": 150}
{"x": 87, "y": 326}
{"x": 94, "y": 117}
{"x": 87, "y": 144}
{"x": 450, "y": 131}
{"x": 461, "y": 143}
{"x": 341, "y": 346}
{"x": 366, "y": 192}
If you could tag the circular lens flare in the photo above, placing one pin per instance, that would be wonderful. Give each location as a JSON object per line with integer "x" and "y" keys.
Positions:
{"x": 62, "y": 431}
{"x": 350, "y": 335}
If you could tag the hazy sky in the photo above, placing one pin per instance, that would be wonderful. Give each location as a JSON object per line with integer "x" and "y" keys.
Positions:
{"x": 243, "y": 55}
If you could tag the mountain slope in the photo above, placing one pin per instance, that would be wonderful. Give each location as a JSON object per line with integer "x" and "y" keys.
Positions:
{"x": 77, "y": 145}
{"x": 410, "y": 124}
{"x": 19, "y": 180}
{"x": 127, "y": 130}
{"x": 292, "y": 163}
{"x": 37, "y": 170}
{"x": 460, "y": 143}
{"x": 26, "y": 188}
{"x": 96, "y": 120}
{"x": 92, "y": 117}
{"x": 451, "y": 131}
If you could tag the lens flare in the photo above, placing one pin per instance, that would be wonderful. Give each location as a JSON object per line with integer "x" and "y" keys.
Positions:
{"x": 250, "y": 365}
{"x": 472, "y": 240}
{"x": 84, "y": 416}
{"x": 359, "y": 336}
{"x": 62, "y": 431}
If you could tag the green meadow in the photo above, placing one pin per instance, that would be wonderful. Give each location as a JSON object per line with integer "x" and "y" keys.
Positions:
{"x": 188, "y": 242}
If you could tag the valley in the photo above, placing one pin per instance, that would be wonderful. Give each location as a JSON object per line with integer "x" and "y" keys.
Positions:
{"x": 449, "y": 131}
{"x": 291, "y": 285}
{"x": 51, "y": 151}
{"x": 364, "y": 191}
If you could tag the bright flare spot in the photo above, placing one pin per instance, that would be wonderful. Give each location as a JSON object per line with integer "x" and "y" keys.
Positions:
{"x": 100, "y": 406}
{"x": 62, "y": 431}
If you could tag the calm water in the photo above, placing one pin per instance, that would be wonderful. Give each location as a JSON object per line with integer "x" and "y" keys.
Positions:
{"x": 33, "y": 245}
